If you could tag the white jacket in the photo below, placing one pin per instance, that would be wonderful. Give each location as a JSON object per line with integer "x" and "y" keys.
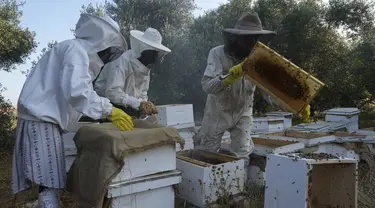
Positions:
{"x": 59, "y": 88}
{"x": 123, "y": 78}
{"x": 125, "y": 81}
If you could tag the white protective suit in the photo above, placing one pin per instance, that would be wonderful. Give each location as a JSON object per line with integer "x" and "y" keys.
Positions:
{"x": 227, "y": 109}
{"x": 59, "y": 89}
{"x": 125, "y": 81}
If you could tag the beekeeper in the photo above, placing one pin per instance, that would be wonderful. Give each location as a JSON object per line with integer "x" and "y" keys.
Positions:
{"x": 126, "y": 80}
{"x": 229, "y": 105}
{"x": 56, "y": 94}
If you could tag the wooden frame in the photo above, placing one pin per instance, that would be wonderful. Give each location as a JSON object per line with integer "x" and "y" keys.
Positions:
{"x": 263, "y": 53}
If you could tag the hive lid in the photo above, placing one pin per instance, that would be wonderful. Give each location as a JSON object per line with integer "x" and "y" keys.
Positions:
{"x": 317, "y": 126}
{"x": 343, "y": 111}
{"x": 278, "y": 113}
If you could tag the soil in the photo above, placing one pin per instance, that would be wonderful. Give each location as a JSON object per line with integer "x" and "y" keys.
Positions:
{"x": 280, "y": 79}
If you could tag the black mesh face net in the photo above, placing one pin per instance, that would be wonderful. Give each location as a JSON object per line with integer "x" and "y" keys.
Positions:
{"x": 110, "y": 54}
{"x": 239, "y": 46}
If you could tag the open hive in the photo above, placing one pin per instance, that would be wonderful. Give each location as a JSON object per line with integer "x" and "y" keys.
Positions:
{"x": 291, "y": 86}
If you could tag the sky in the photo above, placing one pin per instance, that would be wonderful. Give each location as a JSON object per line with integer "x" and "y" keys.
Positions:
{"x": 52, "y": 20}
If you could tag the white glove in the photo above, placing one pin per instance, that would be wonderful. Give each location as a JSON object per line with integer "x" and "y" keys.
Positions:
{"x": 132, "y": 102}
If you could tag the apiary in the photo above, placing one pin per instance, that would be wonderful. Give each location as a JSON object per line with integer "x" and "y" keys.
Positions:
{"x": 310, "y": 181}
{"x": 207, "y": 176}
{"x": 292, "y": 87}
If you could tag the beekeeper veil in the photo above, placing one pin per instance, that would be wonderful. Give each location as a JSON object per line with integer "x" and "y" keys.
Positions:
{"x": 100, "y": 33}
{"x": 149, "y": 40}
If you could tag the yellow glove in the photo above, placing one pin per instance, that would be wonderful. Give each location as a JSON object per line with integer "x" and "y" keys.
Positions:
{"x": 305, "y": 114}
{"x": 121, "y": 120}
{"x": 236, "y": 72}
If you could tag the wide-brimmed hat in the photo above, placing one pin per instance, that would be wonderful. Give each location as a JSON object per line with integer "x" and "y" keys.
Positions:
{"x": 249, "y": 24}
{"x": 151, "y": 37}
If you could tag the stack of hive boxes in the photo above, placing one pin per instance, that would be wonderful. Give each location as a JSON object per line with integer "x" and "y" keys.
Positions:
{"x": 146, "y": 177}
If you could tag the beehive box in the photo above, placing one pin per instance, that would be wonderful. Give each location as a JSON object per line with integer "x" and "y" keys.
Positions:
{"x": 267, "y": 124}
{"x": 346, "y": 115}
{"x": 154, "y": 160}
{"x": 292, "y": 87}
{"x": 187, "y": 135}
{"x": 264, "y": 147}
{"x": 297, "y": 181}
{"x": 151, "y": 161}
{"x": 315, "y": 138}
{"x": 286, "y": 116}
{"x": 207, "y": 176}
{"x": 178, "y": 116}
{"x": 145, "y": 192}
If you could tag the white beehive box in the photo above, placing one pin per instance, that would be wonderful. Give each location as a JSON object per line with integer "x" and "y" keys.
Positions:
{"x": 145, "y": 192}
{"x": 267, "y": 124}
{"x": 320, "y": 126}
{"x": 206, "y": 176}
{"x": 151, "y": 161}
{"x": 348, "y": 115}
{"x": 315, "y": 138}
{"x": 178, "y": 116}
{"x": 154, "y": 160}
{"x": 187, "y": 135}
{"x": 287, "y": 117}
{"x": 311, "y": 127}
{"x": 333, "y": 184}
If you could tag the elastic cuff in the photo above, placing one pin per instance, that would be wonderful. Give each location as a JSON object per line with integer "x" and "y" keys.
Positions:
{"x": 132, "y": 102}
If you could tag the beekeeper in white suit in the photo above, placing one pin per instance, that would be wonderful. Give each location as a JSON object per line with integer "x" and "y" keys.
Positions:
{"x": 229, "y": 105}
{"x": 125, "y": 81}
{"x": 56, "y": 94}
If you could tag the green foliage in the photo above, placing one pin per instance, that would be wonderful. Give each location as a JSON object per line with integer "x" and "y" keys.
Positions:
{"x": 7, "y": 119}
{"x": 16, "y": 43}
{"x": 98, "y": 9}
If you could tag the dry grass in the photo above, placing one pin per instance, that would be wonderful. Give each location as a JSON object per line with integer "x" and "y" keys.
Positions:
{"x": 8, "y": 200}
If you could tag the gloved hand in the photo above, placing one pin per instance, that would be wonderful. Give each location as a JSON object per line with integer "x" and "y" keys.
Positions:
{"x": 121, "y": 120}
{"x": 305, "y": 114}
{"x": 148, "y": 108}
{"x": 236, "y": 73}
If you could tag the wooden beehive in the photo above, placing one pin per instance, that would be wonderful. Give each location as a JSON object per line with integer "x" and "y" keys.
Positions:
{"x": 310, "y": 181}
{"x": 291, "y": 86}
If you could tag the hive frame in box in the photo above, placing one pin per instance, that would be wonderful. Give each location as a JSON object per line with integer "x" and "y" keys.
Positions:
{"x": 291, "y": 104}
{"x": 334, "y": 182}
{"x": 203, "y": 183}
